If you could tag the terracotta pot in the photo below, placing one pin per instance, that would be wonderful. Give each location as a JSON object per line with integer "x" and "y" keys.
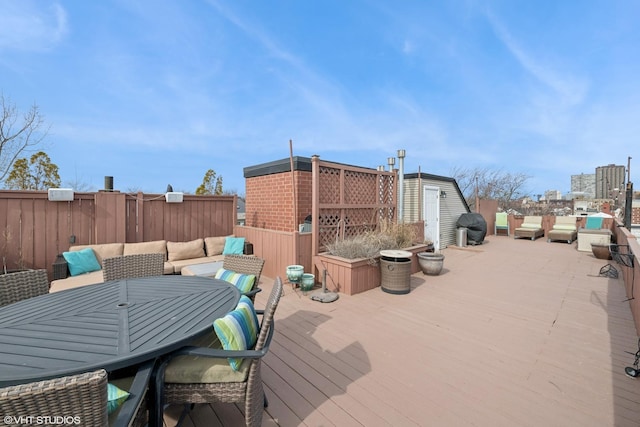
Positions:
{"x": 600, "y": 251}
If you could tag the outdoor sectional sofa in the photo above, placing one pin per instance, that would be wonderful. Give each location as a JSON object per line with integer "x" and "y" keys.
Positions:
{"x": 177, "y": 256}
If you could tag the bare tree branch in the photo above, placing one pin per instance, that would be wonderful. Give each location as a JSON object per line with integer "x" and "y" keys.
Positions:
{"x": 17, "y": 136}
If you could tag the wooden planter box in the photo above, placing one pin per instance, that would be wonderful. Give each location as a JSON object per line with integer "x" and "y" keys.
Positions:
{"x": 352, "y": 276}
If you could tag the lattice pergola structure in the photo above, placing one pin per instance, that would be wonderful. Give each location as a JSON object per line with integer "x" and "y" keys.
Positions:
{"x": 348, "y": 201}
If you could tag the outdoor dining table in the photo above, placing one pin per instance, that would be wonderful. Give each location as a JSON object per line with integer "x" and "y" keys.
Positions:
{"x": 109, "y": 325}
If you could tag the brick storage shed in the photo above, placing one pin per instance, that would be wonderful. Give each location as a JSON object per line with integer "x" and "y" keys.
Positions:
{"x": 270, "y": 201}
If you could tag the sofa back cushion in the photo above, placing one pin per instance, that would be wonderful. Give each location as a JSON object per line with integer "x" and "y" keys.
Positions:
{"x": 154, "y": 247}
{"x": 215, "y": 245}
{"x": 102, "y": 251}
{"x": 185, "y": 250}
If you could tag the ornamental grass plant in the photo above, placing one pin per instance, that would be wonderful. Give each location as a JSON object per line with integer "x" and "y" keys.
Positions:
{"x": 386, "y": 236}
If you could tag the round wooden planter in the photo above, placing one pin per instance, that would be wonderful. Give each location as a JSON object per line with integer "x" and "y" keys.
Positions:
{"x": 600, "y": 251}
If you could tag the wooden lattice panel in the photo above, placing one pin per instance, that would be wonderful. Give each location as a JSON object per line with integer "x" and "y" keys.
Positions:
{"x": 352, "y": 201}
{"x": 359, "y": 188}
{"x": 329, "y": 189}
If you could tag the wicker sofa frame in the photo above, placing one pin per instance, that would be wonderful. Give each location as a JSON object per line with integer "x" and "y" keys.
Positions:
{"x": 21, "y": 285}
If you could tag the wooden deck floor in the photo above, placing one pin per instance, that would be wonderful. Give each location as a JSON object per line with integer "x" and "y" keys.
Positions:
{"x": 512, "y": 333}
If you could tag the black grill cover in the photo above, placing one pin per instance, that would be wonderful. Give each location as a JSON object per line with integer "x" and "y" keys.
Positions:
{"x": 476, "y": 227}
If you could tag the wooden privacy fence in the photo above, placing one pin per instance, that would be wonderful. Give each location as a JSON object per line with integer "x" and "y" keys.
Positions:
{"x": 34, "y": 230}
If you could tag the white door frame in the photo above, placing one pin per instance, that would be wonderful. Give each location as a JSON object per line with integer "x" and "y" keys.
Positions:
{"x": 431, "y": 214}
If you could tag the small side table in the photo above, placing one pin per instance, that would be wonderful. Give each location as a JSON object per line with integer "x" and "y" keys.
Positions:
{"x": 207, "y": 269}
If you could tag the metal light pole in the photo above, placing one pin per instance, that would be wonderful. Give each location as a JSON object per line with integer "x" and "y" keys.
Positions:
{"x": 401, "y": 156}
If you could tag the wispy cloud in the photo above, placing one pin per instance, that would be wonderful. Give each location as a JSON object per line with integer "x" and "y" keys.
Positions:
{"x": 24, "y": 25}
{"x": 571, "y": 88}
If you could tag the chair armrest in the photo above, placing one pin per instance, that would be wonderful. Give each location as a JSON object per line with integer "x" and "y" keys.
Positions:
{"x": 219, "y": 353}
{"x": 252, "y": 292}
{"x": 137, "y": 393}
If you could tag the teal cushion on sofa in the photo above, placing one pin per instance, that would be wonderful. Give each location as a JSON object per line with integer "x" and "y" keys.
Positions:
{"x": 238, "y": 330}
{"x": 233, "y": 246}
{"x": 82, "y": 261}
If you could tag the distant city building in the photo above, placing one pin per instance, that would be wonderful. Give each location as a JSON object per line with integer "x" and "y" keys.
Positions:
{"x": 583, "y": 186}
{"x": 552, "y": 195}
{"x": 610, "y": 180}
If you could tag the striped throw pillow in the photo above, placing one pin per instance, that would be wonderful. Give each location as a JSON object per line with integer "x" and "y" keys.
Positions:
{"x": 244, "y": 282}
{"x": 238, "y": 330}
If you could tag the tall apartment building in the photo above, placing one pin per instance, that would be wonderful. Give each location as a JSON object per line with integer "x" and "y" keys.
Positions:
{"x": 608, "y": 179}
{"x": 552, "y": 195}
{"x": 584, "y": 185}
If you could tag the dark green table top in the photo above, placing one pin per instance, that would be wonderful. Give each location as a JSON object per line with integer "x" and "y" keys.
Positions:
{"x": 109, "y": 325}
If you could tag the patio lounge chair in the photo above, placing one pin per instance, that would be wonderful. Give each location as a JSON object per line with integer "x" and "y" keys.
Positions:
{"x": 137, "y": 265}
{"x": 21, "y": 285}
{"x": 502, "y": 223}
{"x": 564, "y": 230}
{"x": 204, "y": 375}
{"x": 531, "y": 228}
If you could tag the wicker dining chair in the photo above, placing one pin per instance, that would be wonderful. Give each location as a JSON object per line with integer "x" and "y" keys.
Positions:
{"x": 21, "y": 285}
{"x": 137, "y": 265}
{"x": 245, "y": 388}
{"x": 83, "y": 397}
{"x": 245, "y": 264}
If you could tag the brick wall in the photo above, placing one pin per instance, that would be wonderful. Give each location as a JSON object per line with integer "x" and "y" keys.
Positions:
{"x": 269, "y": 200}
{"x": 635, "y": 215}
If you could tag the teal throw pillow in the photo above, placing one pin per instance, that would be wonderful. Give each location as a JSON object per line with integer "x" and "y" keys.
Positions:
{"x": 82, "y": 261}
{"x": 593, "y": 223}
{"x": 238, "y": 330}
{"x": 233, "y": 246}
{"x": 115, "y": 397}
{"x": 244, "y": 282}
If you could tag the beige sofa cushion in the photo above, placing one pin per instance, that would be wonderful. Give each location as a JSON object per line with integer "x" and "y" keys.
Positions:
{"x": 76, "y": 281}
{"x": 215, "y": 245}
{"x": 155, "y": 247}
{"x": 185, "y": 250}
{"x": 102, "y": 251}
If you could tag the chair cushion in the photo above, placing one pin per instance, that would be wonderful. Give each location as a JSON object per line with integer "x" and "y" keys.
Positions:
{"x": 238, "y": 330}
{"x": 593, "y": 223}
{"x": 115, "y": 397}
{"x": 244, "y": 282}
{"x": 82, "y": 261}
{"x": 203, "y": 370}
{"x": 530, "y": 225}
{"x": 233, "y": 246}
{"x": 566, "y": 227}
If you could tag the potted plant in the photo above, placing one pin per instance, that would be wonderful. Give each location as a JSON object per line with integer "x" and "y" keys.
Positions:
{"x": 352, "y": 264}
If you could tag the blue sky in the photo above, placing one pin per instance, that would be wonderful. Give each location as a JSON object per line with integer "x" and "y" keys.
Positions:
{"x": 154, "y": 93}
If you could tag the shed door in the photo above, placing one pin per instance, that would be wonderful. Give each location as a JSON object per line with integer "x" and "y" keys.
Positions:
{"x": 431, "y": 211}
